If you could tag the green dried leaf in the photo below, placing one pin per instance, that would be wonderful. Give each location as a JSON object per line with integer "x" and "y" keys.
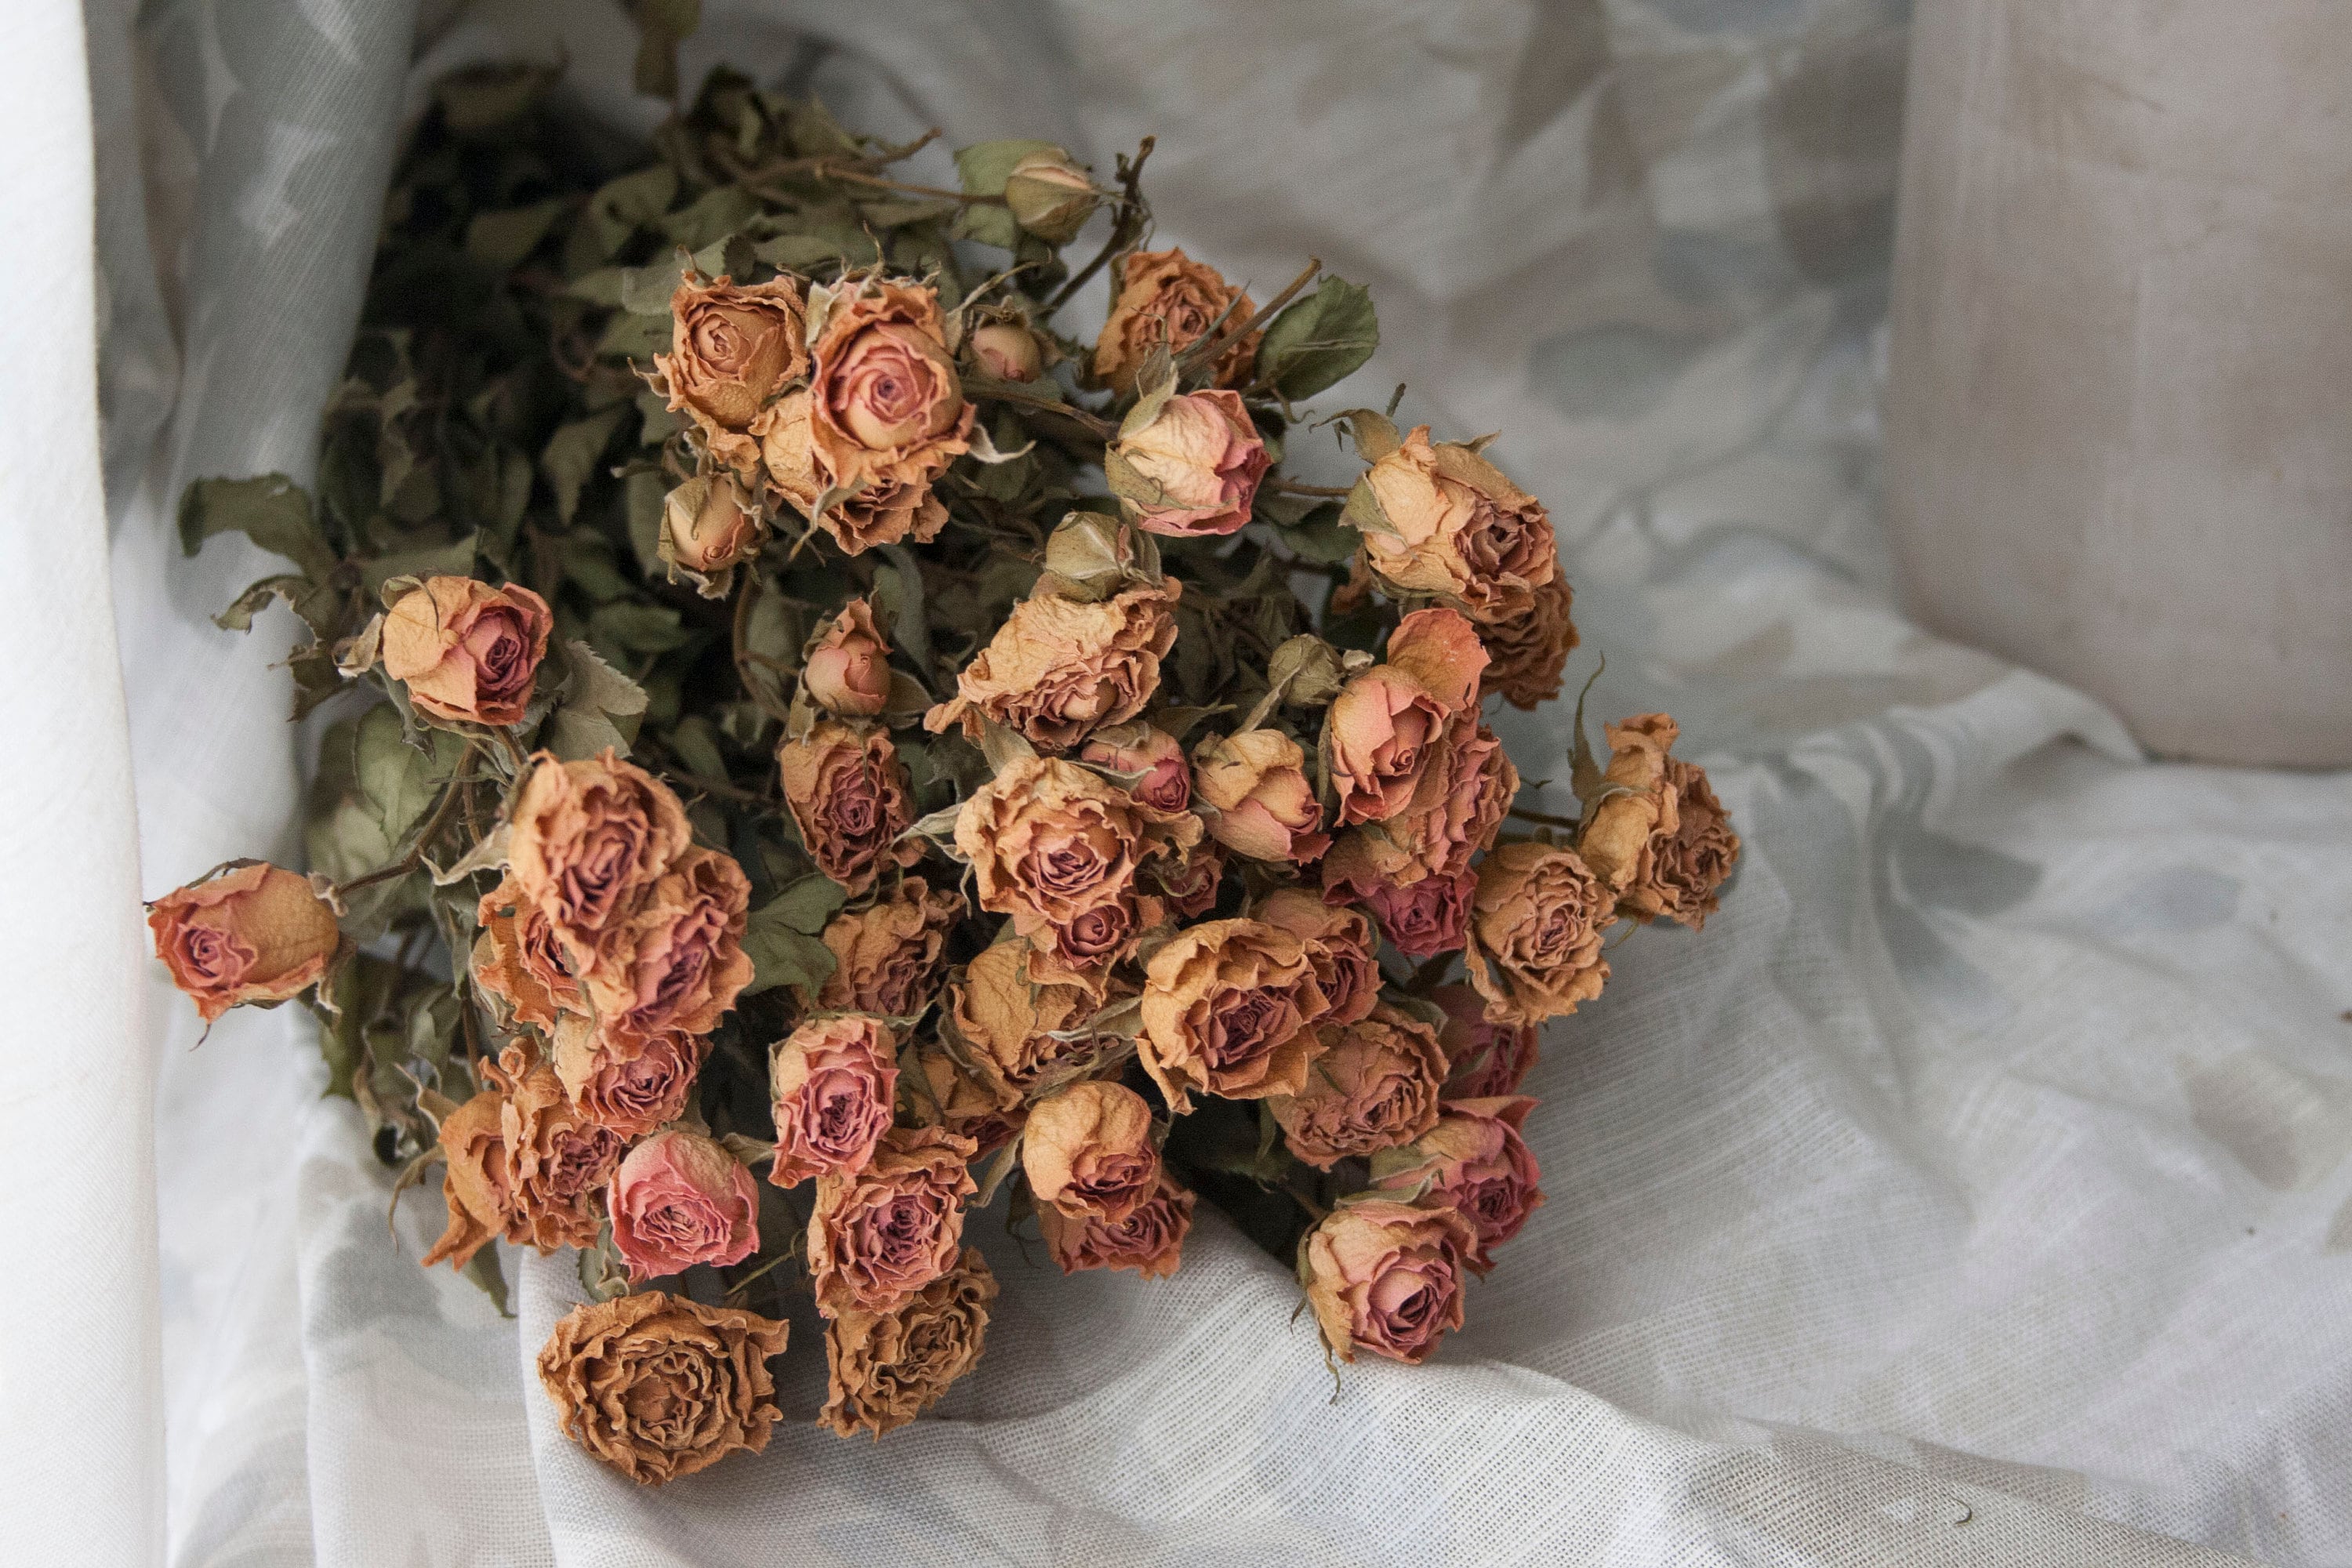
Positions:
{"x": 600, "y": 708}
{"x": 782, "y": 953}
{"x": 270, "y": 509}
{"x": 501, "y": 239}
{"x": 637, "y": 626}
{"x": 573, "y": 452}
{"x": 620, "y": 205}
{"x": 1318, "y": 341}
{"x": 709, "y": 219}
{"x": 807, "y": 904}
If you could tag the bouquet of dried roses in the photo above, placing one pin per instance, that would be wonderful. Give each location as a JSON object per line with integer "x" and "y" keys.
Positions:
{"x": 812, "y": 737}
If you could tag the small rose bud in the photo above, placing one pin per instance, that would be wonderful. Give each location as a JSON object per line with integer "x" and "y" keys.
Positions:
{"x": 1008, "y": 351}
{"x": 257, "y": 934}
{"x": 848, "y": 671}
{"x": 1095, "y": 555}
{"x": 465, "y": 650}
{"x": 1308, "y": 670}
{"x": 709, "y": 525}
{"x": 1051, "y": 195}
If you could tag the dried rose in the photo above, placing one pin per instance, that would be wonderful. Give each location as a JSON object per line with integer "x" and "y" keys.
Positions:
{"x": 466, "y": 651}
{"x": 255, "y": 933}
{"x": 1194, "y": 470}
{"x": 1456, "y": 811}
{"x": 1529, "y": 642}
{"x": 678, "y": 962}
{"x": 1149, "y": 1240}
{"x": 1374, "y": 1086}
{"x": 1257, "y": 799}
{"x": 1057, "y": 668}
{"x": 590, "y": 837}
{"x": 879, "y": 1236}
{"x": 679, "y": 1199}
{"x": 1088, "y": 1149}
{"x": 1484, "y": 1059}
{"x": 732, "y": 350}
{"x": 1166, "y": 296}
{"x": 891, "y": 957}
{"x": 1388, "y": 723}
{"x": 1689, "y": 863}
{"x": 832, "y": 1082}
{"x": 934, "y": 1090}
{"x": 628, "y": 1086}
{"x": 1006, "y": 1023}
{"x": 1228, "y": 1009}
{"x": 1450, "y": 524}
{"x": 1535, "y": 933}
{"x": 1424, "y": 918}
{"x": 847, "y": 671}
{"x": 886, "y": 405}
{"x": 474, "y": 1183}
{"x": 848, "y": 793}
{"x": 1340, "y": 945}
{"x": 659, "y": 1386}
{"x": 710, "y": 524}
{"x": 886, "y": 1368}
{"x": 1166, "y": 782}
{"x": 555, "y": 1161}
{"x": 1386, "y": 1278}
{"x": 1638, "y": 807}
{"x": 1474, "y": 1163}
{"x": 1050, "y": 195}
{"x": 517, "y": 958}
{"x": 1008, "y": 351}
{"x": 1188, "y": 887}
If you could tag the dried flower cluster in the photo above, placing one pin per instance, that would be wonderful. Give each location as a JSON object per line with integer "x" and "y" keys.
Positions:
{"x": 818, "y": 736}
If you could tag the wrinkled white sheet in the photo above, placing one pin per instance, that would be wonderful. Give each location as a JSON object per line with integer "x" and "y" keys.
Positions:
{"x": 1972, "y": 1190}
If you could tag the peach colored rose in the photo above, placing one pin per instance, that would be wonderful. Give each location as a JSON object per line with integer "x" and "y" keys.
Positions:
{"x": 254, "y": 933}
{"x": 659, "y": 1386}
{"x": 1057, "y": 668}
{"x": 847, "y": 671}
{"x": 590, "y": 837}
{"x": 891, "y": 957}
{"x": 1340, "y": 945}
{"x": 679, "y": 1199}
{"x": 1166, "y": 296}
{"x": 1374, "y": 1086}
{"x": 1446, "y": 522}
{"x": 1055, "y": 847}
{"x": 1687, "y": 865}
{"x": 1193, "y": 470}
{"x": 518, "y": 959}
{"x": 628, "y": 1086}
{"x": 848, "y": 793}
{"x": 934, "y": 1090}
{"x": 1386, "y": 1278}
{"x": 1149, "y": 1240}
{"x": 1006, "y": 1025}
{"x": 1456, "y": 811}
{"x": 732, "y": 350}
{"x": 1229, "y": 1008}
{"x": 1389, "y": 723}
{"x": 831, "y": 1081}
{"x": 1007, "y": 352}
{"x": 473, "y": 1182}
{"x": 1484, "y": 1059}
{"x": 886, "y": 403}
{"x": 1474, "y": 1163}
{"x": 879, "y": 1236}
{"x": 1535, "y": 933}
{"x": 1423, "y": 918}
{"x": 887, "y": 1368}
{"x": 1188, "y": 887}
{"x": 885, "y": 511}
{"x": 678, "y": 962}
{"x": 1639, "y": 808}
{"x": 788, "y": 452}
{"x": 1254, "y": 792}
{"x": 710, "y": 524}
{"x": 466, "y": 651}
{"x": 1166, "y": 785}
{"x": 1529, "y": 642}
{"x": 861, "y": 509}
{"x": 555, "y": 1161}
{"x": 1088, "y": 1148}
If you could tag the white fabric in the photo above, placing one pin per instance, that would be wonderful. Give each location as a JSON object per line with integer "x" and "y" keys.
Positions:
{"x": 1972, "y": 1190}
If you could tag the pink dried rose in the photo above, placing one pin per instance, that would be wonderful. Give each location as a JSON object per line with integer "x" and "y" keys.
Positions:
{"x": 1446, "y": 522}
{"x": 517, "y": 958}
{"x": 472, "y": 1180}
{"x": 886, "y": 1368}
{"x": 1192, "y": 469}
{"x": 1388, "y": 723}
{"x": 590, "y": 838}
{"x": 1014, "y": 1033}
{"x": 1374, "y": 1086}
{"x": 1059, "y": 667}
{"x": 880, "y": 1235}
{"x": 1386, "y": 1278}
{"x": 1530, "y": 643}
{"x": 1484, "y": 1059}
{"x": 831, "y": 1081}
{"x": 1456, "y": 811}
{"x": 1088, "y": 1148}
{"x": 254, "y": 933}
{"x": 629, "y": 1086}
{"x": 1535, "y": 934}
{"x": 1254, "y": 792}
{"x": 676, "y": 963}
{"x": 1340, "y": 945}
{"x": 886, "y": 403}
{"x": 1188, "y": 887}
{"x": 1149, "y": 1240}
{"x": 466, "y": 651}
{"x": 1007, "y": 351}
{"x": 1164, "y": 781}
{"x": 847, "y": 671}
{"x": 555, "y": 1161}
{"x": 1229, "y": 1009}
{"x": 1423, "y": 918}
{"x": 732, "y": 350}
{"x": 1166, "y": 298}
{"x": 1474, "y": 1163}
{"x": 848, "y": 792}
{"x": 679, "y": 1199}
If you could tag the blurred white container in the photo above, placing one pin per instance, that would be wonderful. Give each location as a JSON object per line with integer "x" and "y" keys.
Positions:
{"x": 2119, "y": 405}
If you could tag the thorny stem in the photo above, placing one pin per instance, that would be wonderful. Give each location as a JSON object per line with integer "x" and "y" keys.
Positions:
{"x": 1545, "y": 817}
{"x": 1124, "y": 231}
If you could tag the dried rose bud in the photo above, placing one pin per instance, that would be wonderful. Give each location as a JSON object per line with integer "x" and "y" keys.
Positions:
{"x": 1386, "y": 1278}
{"x": 1092, "y": 556}
{"x": 1167, "y": 297}
{"x": 678, "y": 962}
{"x": 709, "y": 525}
{"x": 659, "y": 1386}
{"x": 1256, "y": 785}
{"x": 1051, "y": 195}
{"x": 1620, "y": 838}
{"x": 847, "y": 671}
{"x": 1530, "y": 643}
{"x": 679, "y": 1199}
{"x": 1008, "y": 351}
{"x": 1194, "y": 470}
{"x": 1166, "y": 785}
{"x": 1308, "y": 671}
{"x": 466, "y": 651}
{"x": 1087, "y": 1150}
{"x": 1445, "y": 522}
{"x": 255, "y": 933}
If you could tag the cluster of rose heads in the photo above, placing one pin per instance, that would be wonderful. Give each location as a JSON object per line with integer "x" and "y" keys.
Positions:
{"x": 937, "y": 757}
